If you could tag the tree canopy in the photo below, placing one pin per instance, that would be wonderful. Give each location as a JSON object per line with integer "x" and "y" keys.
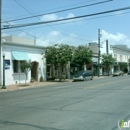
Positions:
{"x": 108, "y": 60}
{"x": 26, "y": 66}
{"x": 82, "y": 55}
{"x": 59, "y": 54}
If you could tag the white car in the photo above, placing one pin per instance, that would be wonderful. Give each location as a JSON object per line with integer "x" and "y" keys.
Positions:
{"x": 118, "y": 73}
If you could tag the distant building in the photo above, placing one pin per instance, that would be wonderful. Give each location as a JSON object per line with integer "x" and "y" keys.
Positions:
{"x": 120, "y": 52}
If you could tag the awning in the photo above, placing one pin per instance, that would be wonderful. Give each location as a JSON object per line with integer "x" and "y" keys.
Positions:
{"x": 19, "y": 55}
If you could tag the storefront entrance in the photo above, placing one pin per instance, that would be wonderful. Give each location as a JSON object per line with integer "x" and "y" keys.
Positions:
{"x": 34, "y": 71}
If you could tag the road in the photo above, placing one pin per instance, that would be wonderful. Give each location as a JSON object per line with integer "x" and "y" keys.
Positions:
{"x": 89, "y": 105}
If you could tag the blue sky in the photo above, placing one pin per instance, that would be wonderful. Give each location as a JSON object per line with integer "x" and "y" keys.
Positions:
{"x": 114, "y": 26}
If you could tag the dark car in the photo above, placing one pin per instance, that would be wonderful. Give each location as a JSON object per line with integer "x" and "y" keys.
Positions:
{"x": 118, "y": 73}
{"x": 83, "y": 75}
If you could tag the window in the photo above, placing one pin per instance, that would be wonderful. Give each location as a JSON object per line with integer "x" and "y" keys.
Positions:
{"x": 120, "y": 57}
{"x": 115, "y": 56}
{"x": 126, "y": 58}
{"x": 111, "y": 47}
{"x": 16, "y": 66}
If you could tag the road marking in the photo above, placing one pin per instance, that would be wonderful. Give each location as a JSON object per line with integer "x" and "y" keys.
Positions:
{"x": 99, "y": 85}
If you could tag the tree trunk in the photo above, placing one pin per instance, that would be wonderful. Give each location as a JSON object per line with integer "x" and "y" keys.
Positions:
{"x": 26, "y": 79}
{"x": 60, "y": 73}
{"x": 108, "y": 70}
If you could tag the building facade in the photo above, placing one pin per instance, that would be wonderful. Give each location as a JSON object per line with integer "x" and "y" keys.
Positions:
{"x": 122, "y": 55}
{"x": 120, "y": 52}
{"x": 18, "y": 50}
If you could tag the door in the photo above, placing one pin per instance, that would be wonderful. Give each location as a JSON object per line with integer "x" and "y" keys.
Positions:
{"x": 34, "y": 71}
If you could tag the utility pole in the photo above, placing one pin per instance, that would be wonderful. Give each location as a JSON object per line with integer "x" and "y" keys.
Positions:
{"x": 0, "y": 43}
{"x": 98, "y": 52}
{"x": 107, "y": 50}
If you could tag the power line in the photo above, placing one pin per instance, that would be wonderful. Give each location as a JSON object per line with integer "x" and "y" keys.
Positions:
{"x": 47, "y": 24}
{"x": 59, "y": 20}
{"x": 53, "y": 8}
{"x": 31, "y": 34}
{"x": 73, "y": 21}
{"x": 56, "y": 11}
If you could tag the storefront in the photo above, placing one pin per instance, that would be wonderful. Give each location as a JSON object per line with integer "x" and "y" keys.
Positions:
{"x": 15, "y": 54}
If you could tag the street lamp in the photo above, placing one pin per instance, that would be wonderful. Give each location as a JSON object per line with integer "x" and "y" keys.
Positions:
{"x": 3, "y": 86}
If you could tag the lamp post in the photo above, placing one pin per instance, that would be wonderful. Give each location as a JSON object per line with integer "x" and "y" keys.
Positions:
{"x": 3, "y": 86}
{"x": 99, "y": 35}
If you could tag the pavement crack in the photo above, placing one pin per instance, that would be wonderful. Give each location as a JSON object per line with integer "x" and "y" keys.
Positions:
{"x": 9, "y": 123}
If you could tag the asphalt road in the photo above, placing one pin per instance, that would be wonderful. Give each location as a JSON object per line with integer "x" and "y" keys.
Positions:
{"x": 89, "y": 105}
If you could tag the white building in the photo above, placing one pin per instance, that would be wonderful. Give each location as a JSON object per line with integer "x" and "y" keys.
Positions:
{"x": 16, "y": 50}
{"x": 120, "y": 52}
{"x": 122, "y": 55}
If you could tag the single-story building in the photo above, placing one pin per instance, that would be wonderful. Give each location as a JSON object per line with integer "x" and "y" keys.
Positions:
{"x": 16, "y": 51}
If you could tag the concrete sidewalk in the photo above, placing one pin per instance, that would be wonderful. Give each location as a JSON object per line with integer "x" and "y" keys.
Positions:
{"x": 14, "y": 87}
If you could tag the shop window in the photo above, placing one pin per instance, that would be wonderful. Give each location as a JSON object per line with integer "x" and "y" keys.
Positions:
{"x": 15, "y": 66}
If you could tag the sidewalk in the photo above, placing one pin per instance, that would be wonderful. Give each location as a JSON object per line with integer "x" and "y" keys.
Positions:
{"x": 15, "y": 87}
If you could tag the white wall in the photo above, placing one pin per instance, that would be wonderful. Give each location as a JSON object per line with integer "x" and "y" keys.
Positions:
{"x": 124, "y": 54}
{"x": 20, "y": 40}
{"x": 33, "y": 53}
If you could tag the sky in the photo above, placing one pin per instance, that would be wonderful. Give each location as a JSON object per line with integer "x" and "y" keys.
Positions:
{"x": 114, "y": 26}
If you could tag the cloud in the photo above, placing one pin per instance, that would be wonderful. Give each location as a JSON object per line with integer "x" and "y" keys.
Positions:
{"x": 49, "y": 17}
{"x": 48, "y": 39}
{"x": 54, "y": 33}
{"x": 24, "y": 34}
{"x": 56, "y": 37}
{"x": 55, "y": 17}
{"x": 116, "y": 39}
{"x": 70, "y": 15}
{"x": 40, "y": 42}
{"x": 118, "y": 12}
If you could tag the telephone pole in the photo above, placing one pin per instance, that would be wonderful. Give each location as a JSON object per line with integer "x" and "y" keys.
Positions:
{"x": 0, "y": 43}
{"x": 107, "y": 49}
{"x": 99, "y": 52}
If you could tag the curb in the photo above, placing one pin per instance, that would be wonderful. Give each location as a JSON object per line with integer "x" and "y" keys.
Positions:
{"x": 15, "y": 88}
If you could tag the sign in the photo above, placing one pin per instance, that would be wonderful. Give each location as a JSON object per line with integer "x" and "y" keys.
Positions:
{"x": 7, "y": 64}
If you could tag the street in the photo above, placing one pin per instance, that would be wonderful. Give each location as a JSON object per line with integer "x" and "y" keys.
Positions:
{"x": 90, "y": 105}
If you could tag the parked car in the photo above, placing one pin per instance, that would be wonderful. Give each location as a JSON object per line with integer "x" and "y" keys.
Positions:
{"x": 118, "y": 73}
{"x": 83, "y": 75}
{"x": 128, "y": 72}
